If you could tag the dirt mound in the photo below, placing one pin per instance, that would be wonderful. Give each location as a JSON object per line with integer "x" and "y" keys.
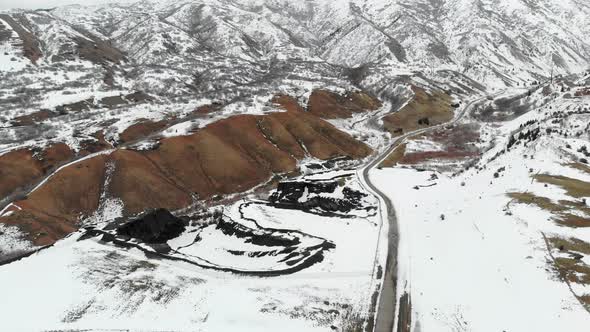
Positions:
{"x": 330, "y": 105}
{"x": 157, "y": 226}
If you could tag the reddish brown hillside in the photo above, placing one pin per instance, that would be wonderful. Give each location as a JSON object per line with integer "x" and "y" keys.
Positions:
{"x": 424, "y": 110}
{"x": 73, "y": 191}
{"x": 141, "y": 184}
{"x": 140, "y": 130}
{"x": 22, "y": 167}
{"x": 330, "y": 105}
{"x": 228, "y": 156}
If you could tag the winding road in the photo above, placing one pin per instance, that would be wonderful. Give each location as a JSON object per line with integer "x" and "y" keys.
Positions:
{"x": 385, "y": 311}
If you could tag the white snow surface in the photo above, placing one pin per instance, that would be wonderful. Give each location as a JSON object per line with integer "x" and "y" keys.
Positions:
{"x": 471, "y": 258}
{"x": 92, "y": 285}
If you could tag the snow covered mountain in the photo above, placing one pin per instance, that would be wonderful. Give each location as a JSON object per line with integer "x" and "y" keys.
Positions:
{"x": 333, "y": 165}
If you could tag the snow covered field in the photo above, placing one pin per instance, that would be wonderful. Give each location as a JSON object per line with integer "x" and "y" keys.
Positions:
{"x": 475, "y": 259}
{"x": 89, "y": 284}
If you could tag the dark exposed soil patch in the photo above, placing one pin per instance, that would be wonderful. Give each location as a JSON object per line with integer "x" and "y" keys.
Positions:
{"x": 157, "y": 226}
{"x": 132, "y": 98}
{"x": 231, "y": 228}
{"x": 98, "y": 51}
{"x": 290, "y": 195}
{"x": 33, "y": 118}
{"x": 413, "y": 158}
{"x": 207, "y": 109}
{"x": 110, "y": 102}
{"x": 79, "y": 106}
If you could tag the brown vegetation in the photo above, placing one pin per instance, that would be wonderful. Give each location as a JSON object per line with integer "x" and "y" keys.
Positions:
{"x": 17, "y": 168}
{"x": 572, "y": 268}
{"x": 573, "y": 187}
{"x": 40, "y": 228}
{"x": 141, "y": 129}
{"x": 98, "y": 51}
{"x": 424, "y": 110}
{"x": 579, "y": 166}
{"x": 33, "y": 118}
{"x": 395, "y": 157}
{"x": 458, "y": 142}
{"x": 52, "y": 211}
{"x": 561, "y": 210}
{"x": 330, "y": 105}
{"x": 72, "y": 192}
{"x": 54, "y": 156}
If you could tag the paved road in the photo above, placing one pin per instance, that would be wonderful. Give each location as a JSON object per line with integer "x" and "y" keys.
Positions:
{"x": 386, "y": 306}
